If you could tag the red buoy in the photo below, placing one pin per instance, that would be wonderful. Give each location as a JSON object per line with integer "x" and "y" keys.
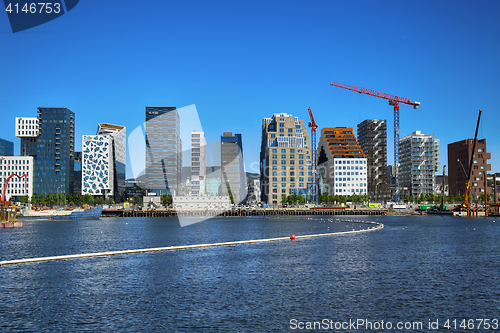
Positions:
{"x": 292, "y": 237}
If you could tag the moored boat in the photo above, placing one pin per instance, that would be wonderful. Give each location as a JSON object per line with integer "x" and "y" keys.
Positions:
{"x": 77, "y": 213}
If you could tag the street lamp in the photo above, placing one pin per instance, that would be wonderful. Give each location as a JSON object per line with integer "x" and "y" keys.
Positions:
{"x": 58, "y": 197}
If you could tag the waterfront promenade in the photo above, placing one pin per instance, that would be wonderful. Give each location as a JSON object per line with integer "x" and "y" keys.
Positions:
{"x": 317, "y": 211}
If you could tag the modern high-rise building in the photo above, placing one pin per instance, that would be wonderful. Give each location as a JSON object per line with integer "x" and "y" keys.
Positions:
{"x": 163, "y": 150}
{"x": 232, "y": 167}
{"x": 459, "y": 156}
{"x": 118, "y": 135}
{"x": 6, "y": 148}
{"x": 419, "y": 162}
{"x": 53, "y": 150}
{"x": 342, "y": 166}
{"x": 27, "y": 129}
{"x": 198, "y": 163}
{"x": 372, "y": 137}
{"x": 285, "y": 159}
{"x": 97, "y": 166}
{"x": 20, "y": 185}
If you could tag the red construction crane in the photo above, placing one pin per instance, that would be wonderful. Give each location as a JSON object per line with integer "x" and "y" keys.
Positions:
{"x": 394, "y": 101}
{"x": 313, "y": 126}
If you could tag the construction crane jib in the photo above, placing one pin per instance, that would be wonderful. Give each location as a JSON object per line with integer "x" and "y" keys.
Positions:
{"x": 393, "y": 101}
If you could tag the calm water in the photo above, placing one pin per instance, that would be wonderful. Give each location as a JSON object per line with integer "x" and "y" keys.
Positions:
{"x": 414, "y": 270}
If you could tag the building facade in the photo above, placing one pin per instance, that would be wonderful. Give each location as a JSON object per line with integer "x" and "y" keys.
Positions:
{"x": 118, "y": 136}
{"x": 97, "y": 166}
{"x": 52, "y": 148}
{"x": 27, "y": 129}
{"x": 342, "y": 166}
{"x": 232, "y": 167}
{"x": 459, "y": 156}
{"x": 372, "y": 137}
{"x": 20, "y": 185}
{"x": 198, "y": 164}
{"x": 163, "y": 150}
{"x": 419, "y": 162}
{"x": 6, "y": 148}
{"x": 285, "y": 159}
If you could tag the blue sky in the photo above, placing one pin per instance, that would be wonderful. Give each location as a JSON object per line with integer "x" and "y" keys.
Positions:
{"x": 239, "y": 62}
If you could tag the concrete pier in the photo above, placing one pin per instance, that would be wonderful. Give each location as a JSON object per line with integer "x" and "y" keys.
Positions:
{"x": 373, "y": 226}
{"x": 326, "y": 211}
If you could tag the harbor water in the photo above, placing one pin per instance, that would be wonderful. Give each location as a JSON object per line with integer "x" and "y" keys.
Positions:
{"x": 416, "y": 270}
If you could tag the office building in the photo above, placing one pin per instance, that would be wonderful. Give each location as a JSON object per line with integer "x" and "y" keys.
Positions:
{"x": 97, "y": 166}
{"x": 253, "y": 191}
{"x": 20, "y": 185}
{"x": 342, "y": 166}
{"x": 53, "y": 149}
{"x": 198, "y": 163}
{"x": 118, "y": 136}
{"x": 459, "y": 156}
{"x": 232, "y": 167}
{"x": 285, "y": 159}
{"x": 27, "y": 130}
{"x": 163, "y": 150}
{"x": 372, "y": 138}
{"x": 419, "y": 155}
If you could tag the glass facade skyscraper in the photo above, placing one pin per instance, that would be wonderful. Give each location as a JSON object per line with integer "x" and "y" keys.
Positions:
{"x": 6, "y": 148}
{"x": 232, "y": 166}
{"x": 55, "y": 147}
{"x": 163, "y": 150}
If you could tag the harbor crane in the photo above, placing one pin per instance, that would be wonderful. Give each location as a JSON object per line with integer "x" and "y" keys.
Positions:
{"x": 465, "y": 203}
{"x": 313, "y": 126}
{"x": 393, "y": 101}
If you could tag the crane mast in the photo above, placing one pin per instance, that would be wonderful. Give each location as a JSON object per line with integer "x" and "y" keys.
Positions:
{"x": 465, "y": 203}
{"x": 393, "y": 101}
{"x": 313, "y": 126}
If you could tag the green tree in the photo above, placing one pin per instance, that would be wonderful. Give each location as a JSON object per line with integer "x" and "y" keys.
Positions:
{"x": 231, "y": 196}
{"x": 167, "y": 199}
{"x": 49, "y": 199}
{"x": 41, "y": 199}
{"x": 138, "y": 200}
{"x": 33, "y": 200}
{"x": 88, "y": 199}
